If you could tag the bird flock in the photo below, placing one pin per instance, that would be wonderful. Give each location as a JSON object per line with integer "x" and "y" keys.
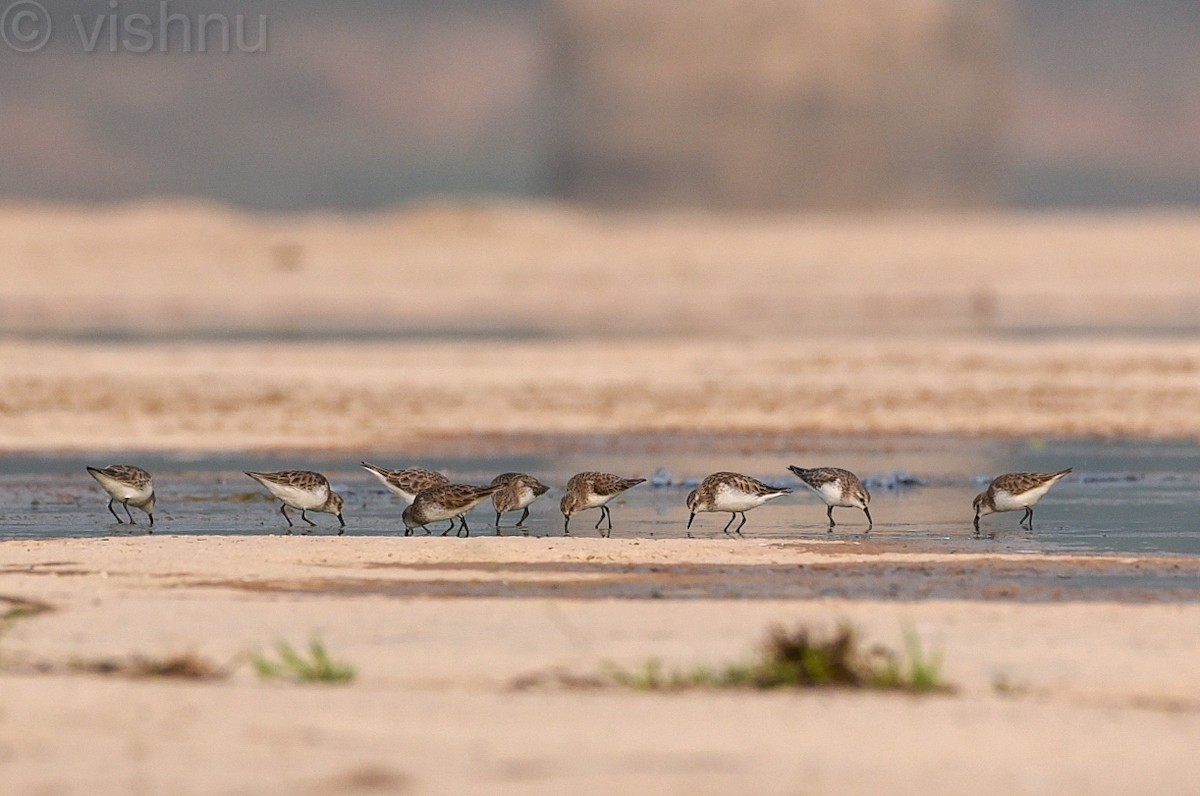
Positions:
{"x": 433, "y": 498}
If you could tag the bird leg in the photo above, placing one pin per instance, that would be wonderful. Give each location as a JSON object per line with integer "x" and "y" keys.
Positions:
{"x": 738, "y": 530}
{"x": 524, "y": 516}
{"x": 128, "y": 514}
{"x": 114, "y": 513}
{"x": 304, "y": 517}
{"x": 829, "y": 513}
{"x": 283, "y": 510}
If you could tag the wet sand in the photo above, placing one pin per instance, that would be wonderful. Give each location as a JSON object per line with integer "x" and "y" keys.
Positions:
{"x": 1051, "y": 694}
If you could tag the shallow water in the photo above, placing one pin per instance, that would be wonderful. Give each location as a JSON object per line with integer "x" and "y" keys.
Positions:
{"x": 1124, "y": 496}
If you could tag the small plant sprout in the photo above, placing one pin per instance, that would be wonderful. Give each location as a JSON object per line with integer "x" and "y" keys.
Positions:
{"x": 800, "y": 658}
{"x": 292, "y": 665}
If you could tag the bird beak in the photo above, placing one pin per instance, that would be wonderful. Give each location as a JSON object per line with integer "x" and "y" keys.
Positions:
{"x": 690, "y": 518}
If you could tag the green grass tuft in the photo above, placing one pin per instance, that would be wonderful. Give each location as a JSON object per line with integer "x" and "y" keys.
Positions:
{"x": 801, "y": 659}
{"x": 292, "y": 665}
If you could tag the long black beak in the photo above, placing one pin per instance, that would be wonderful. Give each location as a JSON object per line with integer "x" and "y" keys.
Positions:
{"x": 690, "y": 518}
{"x": 343, "y": 522}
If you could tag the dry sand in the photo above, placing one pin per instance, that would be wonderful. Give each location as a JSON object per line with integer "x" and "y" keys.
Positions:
{"x": 1052, "y": 697}
{"x": 582, "y": 323}
{"x": 428, "y": 396}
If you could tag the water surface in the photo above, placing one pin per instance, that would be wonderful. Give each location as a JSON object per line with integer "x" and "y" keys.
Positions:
{"x": 1124, "y": 497}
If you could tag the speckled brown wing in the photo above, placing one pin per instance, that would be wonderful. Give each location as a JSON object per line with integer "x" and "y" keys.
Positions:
{"x": 296, "y": 479}
{"x": 1020, "y": 483}
{"x": 605, "y": 484}
{"x": 744, "y": 483}
{"x": 415, "y": 479}
{"x": 816, "y": 477}
{"x": 455, "y": 496}
{"x": 504, "y": 478}
{"x": 128, "y": 474}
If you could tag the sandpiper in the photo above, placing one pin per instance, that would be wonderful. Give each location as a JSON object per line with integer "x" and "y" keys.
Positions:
{"x": 406, "y": 483}
{"x": 732, "y": 492}
{"x": 304, "y": 490}
{"x": 127, "y": 485}
{"x": 446, "y": 502}
{"x": 590, "y": 491}
{"x": 519, "y": 491}
{"x": 1013, "y": 491}
{"x": 837, "y": 488}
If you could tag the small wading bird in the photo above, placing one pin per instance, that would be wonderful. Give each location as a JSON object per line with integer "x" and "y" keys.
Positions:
{"x": 731, "y": 492}
{"x": 518, "y": 492}
{"x": 446, "y": 502}
{"x": 129, "y": 486}
{"x": 1013, "y": 491}
{"x": 304, "y": 490}
{"x": 836, "y": 488}
{"x": 408, "y": 483}
{"x": 593, "y": 491}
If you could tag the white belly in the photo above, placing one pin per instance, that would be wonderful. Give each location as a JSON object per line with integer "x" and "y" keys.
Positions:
{"x": 525, "y": 497}
{"x": 123, "y": 492}
{"x": 1006, "y": 502}
{"x": 728, "y": 499}
{"x": 594, "y": 501}
{"x": 298, "y": 498}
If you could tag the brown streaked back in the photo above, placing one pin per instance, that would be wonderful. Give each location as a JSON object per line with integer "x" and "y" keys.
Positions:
{"x": 1020, "y": 483}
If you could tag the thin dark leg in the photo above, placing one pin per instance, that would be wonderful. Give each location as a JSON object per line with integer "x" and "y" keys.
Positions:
{"x": 114, "y": 513}
{"x": 128, "y": 514}
{"x": 870, "y": 522}
{"x": 498, "y": 520}
{"x": 283, "y": 510}
{"x": 829, "y": 513}
{"x": 524, "y": 516}
{"x": 463, "y": 527}
{"x": 1028, "y": 517}
{"x": 976, "y": 523}
{"x": 597, "y": 526}
{"x": 608, "y": 514}
{"x": 304, "y": 517}
{"x": 566, "y": 525}
{"x": 448, "y": 530}
{"x": 738, "y": 530}
{"x": 732, "y": 517}
{"x": 151, "y": 516}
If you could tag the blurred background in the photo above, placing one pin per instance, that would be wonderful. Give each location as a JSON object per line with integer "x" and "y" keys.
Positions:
{"x": 719, "y": 104}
